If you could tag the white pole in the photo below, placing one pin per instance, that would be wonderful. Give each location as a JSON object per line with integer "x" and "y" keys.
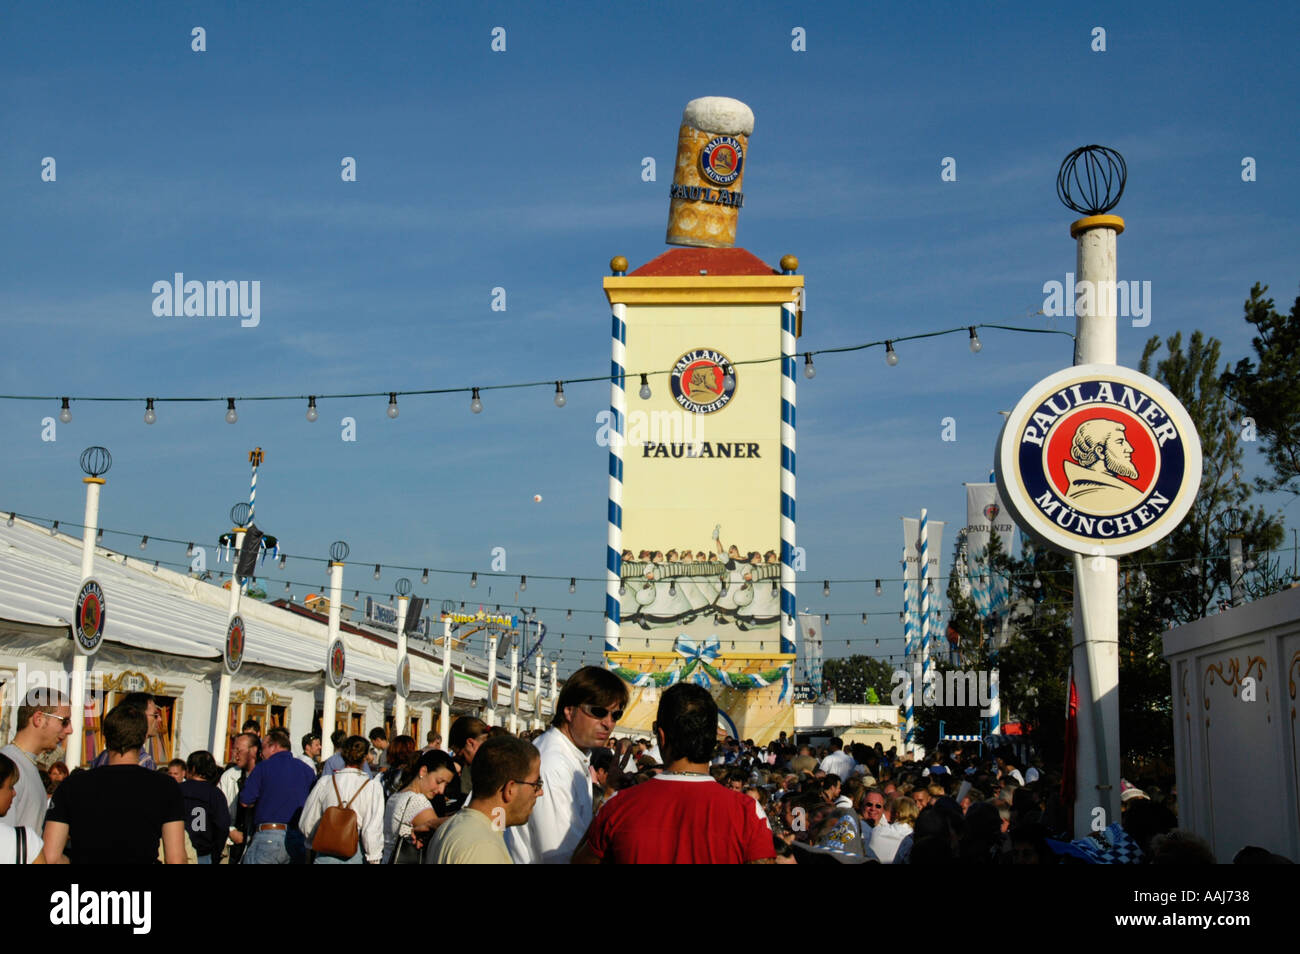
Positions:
{"x": 73, "y": 750}
{"x": 555, "y": 685}
{"x": 444, "y": 704}
{"x": 399, "y": 701}
{"x": 492, "y": 677}
{"x": 329, "y": 700}
{"x": 537, "y": 691}
{"x": 221, "y": 724}
{"x": 514, "y": 685}
{"x": 1096, "y": 591}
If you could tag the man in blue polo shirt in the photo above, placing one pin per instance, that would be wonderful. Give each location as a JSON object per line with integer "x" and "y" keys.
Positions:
{"x": 276, "y": 791}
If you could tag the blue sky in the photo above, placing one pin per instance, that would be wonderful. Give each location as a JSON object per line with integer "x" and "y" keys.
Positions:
{"x": 522, "y": 169}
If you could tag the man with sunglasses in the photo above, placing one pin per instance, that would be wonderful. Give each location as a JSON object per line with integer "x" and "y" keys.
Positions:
{"x": 44, "y": 721}
{"x": 590, "y": 704}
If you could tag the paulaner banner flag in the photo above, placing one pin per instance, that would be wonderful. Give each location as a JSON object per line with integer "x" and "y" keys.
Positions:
{"x": 986, "y": 514}
{"x": 811, "y": 637}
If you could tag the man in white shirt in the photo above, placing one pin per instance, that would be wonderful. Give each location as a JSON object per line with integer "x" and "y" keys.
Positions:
{"x": 839, "y": 761}
{"x": 590, "y": 704}
{"x": 244, "y": 754}
{"x": 44, "y": 721}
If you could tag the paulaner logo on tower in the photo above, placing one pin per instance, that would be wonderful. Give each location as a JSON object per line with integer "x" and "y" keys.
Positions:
{"x": 75, "y": 907}
{"x": 1099, "y": 459}
{"x": 179, "y": 298}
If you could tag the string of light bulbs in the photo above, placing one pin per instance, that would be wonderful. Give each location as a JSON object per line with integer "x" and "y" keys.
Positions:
{"x": 475, "y": 392}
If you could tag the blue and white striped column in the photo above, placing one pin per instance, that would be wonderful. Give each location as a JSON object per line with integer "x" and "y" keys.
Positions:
{"x": 995, "y": 704}
{"x": 927, "y": 676}
{"x": 617, "y": 434}
{"x": 909, "y": 702}
{"x": 252, "y": 492}
{"x": 789, "y": 614}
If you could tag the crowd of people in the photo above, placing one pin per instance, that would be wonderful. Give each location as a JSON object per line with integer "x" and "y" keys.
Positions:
{"x": 571, "y": 793}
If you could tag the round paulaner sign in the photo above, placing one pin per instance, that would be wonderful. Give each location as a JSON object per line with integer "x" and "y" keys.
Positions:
{"x": 1099, "y": 459}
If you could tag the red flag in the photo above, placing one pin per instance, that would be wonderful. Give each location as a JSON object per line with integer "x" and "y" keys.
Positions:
{"x": 1068, "y": 774}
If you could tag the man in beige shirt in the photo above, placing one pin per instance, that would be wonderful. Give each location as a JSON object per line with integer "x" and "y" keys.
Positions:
{"x": 507, "y": 783}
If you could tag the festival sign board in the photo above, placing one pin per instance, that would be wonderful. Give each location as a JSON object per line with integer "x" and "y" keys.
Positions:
{"x": 88, "y": 628}
{"x": 233, "y": 653}
{"x": 1100, "y": 460}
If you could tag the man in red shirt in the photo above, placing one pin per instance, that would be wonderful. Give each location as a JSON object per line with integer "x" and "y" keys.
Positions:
{"x": 681, "y": 816}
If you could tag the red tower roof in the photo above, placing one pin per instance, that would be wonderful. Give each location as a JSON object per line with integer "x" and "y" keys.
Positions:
{"x": 711, "y": 261}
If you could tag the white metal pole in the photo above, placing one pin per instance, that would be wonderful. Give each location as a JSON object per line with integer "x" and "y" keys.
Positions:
{"x": 221, "y": 722}
{"x": 492, "y": 677}
{"x": 76, "y": 744}
{"x": 537, "y": 692}
{"x": 329, "y": 700}
{"x": 1096, "y": 591}
{"x": 514, "y": 685}
{"x": 444, "y": 704}
{"x": 399, "y": 701}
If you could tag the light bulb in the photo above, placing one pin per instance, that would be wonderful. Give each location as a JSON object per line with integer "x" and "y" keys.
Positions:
{"x": 826, "y": 587}
{"x": 975, "y": 346}
{"x": 523, "y": 583}
{"x": 424, "y": 577}
{"x": 877, "y": 587}
{"x": 864, "y": 622}
{"x": 312, "y": 414}
{"x": 283, "y": 560}
{"x": 891, "y": 356}
{"x": 10, "y": 521}
{"x": 476, "y": 403}
{"x": 809, "y": 369}
{"x": 231, "y": 415}
{"x": 645, "y": 388}
{"x": 65, "y": 415}
{"x": 728, "y": 382}
{"x": 573, "y": 584}
{"x": 149, "y": 415}
{"x": 392, "y": 404}
{"x": 473, "y": 579}
{"x": 144, "y": 542}
{"x": 568, "y": 615}
{"x": 560, "y": 399}
{"x": 376, "y": 571}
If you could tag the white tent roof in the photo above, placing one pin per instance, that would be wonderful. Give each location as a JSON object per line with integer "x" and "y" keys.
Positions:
{"x": 169, "y": 612}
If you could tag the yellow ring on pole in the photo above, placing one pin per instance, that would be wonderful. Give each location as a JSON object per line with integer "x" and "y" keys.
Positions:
{"x": 93, "y": 480}
{"x": 1096, "y": 222}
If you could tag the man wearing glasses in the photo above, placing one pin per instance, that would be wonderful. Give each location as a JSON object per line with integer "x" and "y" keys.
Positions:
{"x": 44, "y": 721}
{"x": 153, "y": 716}
{"x": 590, "y": 704}
{"x": 507, "y": 786}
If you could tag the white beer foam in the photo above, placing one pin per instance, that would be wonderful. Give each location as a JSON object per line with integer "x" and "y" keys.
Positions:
{"x": 719, "y": 114}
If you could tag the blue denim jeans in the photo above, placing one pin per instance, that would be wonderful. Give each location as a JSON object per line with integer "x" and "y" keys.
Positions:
{"x": 328, "y": 860}
{"x": 203, "y": 859}
{"x": 276, "y": 847}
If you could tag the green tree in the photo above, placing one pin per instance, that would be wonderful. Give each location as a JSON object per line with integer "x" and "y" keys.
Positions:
{"x": 850, "y": 679}
{"x": 1268, "y": 389}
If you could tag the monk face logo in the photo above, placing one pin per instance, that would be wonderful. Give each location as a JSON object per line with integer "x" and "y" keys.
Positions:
{"x": 991, "y": 512}
{"x": 1099, "y": 457}
{"x": 703, "y": 381}
{"x": 720, "y": 160}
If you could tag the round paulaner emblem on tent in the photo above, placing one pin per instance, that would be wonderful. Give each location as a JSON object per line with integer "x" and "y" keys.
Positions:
{"x": 233, "y": 656}
{"x": 699, "y": 381}
{"x": 89, "y": 627}
{"x": 1099, "y": 459}
{"x": 449, "y": 685}
{"x": 338, "y": 663}
{"x": 404, "y": 677}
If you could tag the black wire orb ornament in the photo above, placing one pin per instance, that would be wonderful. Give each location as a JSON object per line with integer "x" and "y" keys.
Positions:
{"x": 1091, "y": 180}
{"x": 240, "y": 513}
{"x": 96, "y": 461}
{"x": 403, "y": 586}
{"x": 339, "y": 551}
